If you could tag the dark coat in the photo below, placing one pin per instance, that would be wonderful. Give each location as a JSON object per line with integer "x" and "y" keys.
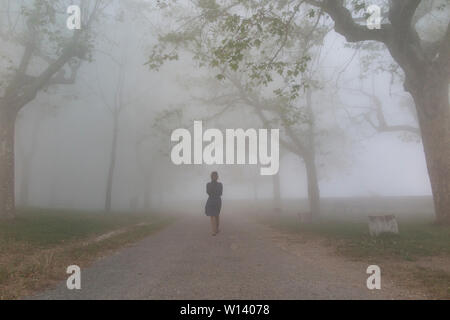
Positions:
{"x": 214, "y": 204}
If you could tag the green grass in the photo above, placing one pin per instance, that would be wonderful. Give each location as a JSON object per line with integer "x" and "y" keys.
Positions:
{"x": 44, "y": 228}
{"x": 417, "y": 237}
{"x": 37, "y": 246}
{"x": 400, "y": 255}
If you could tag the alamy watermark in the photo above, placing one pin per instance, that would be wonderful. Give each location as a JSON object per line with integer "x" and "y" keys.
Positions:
{"x": 229, "y": 148}
{"x": 74, "y": 19}
{"x": 74, "y": 280}
{"x": 374, "y": 19}
{"x": 374, "y": 281}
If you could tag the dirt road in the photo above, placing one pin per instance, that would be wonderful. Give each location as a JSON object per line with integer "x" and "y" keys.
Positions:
{"x": 245, "y": 261}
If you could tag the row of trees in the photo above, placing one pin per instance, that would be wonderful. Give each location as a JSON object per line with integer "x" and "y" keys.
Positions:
{"x": 107, "y": 82}
{"x": 267, "y": 59}
{"x": 38, "y": 30}
{"x": 272, "y": 44}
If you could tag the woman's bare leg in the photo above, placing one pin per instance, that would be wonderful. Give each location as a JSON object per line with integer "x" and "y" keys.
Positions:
{"x": 213, "y": 226}
{"x": 218, "y": 223}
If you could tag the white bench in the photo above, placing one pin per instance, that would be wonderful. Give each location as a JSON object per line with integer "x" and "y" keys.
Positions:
{"x": 382, "y": 224}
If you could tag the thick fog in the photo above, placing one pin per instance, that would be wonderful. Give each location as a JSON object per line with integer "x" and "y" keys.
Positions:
{"x": 64, "y": 136}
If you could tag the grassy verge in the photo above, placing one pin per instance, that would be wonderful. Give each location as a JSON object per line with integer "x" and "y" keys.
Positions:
{"x": 418, "y": 256}
{"x": 37, "y": 247}
{"x": 417, "y": 238}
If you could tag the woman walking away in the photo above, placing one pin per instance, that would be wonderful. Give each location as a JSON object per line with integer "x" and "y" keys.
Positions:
{"x": 214, "y": 204}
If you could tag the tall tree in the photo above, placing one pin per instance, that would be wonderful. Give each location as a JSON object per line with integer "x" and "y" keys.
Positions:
{"x": 426, "y": 67}
{"x": 38, "y": 28}
{"x": 290, "y": 104}
{"x": 246, "y": 25}
{"x": 26, "y": 153}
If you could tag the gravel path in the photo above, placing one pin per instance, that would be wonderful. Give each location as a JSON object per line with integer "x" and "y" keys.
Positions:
{"x": 245, "y": 261}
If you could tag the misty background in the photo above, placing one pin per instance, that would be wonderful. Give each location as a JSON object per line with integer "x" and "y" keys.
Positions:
{"x": 64, "y": 136}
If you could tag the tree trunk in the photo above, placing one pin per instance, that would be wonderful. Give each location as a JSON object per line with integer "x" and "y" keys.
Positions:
{"x": 276, "y": 192}
{"x": 147, "y": 193}
{"x": 24, "y": 188}
{"x": 112, "y": 164}
{"x": 160, "y": 198}
{"x": 313, "y": 187}
{"x": 310, "y": 161}
{"x": 7, "y": 134}
{"x": 27, "y": 162}
{"x": 432, "y": 103}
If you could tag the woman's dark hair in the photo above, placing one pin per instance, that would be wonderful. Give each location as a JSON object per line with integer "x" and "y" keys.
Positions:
{"x": 214, "y": 175}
